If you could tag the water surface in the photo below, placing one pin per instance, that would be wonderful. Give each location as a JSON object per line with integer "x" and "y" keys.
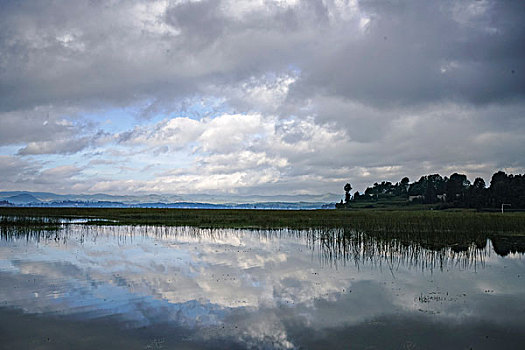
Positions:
{"x": 165, "y": 287}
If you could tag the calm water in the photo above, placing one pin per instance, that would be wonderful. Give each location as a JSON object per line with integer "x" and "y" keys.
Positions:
{"x": 162, "y": 288}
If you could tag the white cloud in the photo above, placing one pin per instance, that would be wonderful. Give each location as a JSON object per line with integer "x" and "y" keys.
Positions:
{"x": 54, "y": 147}
{"x": 228, "y": 133}
{"x": 176, "y": 132}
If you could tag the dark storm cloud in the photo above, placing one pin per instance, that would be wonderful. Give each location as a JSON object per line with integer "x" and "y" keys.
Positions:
{"x": 201, "y": 23}
{"x": 425, "y": 52}
{"x": 115, "y": 52}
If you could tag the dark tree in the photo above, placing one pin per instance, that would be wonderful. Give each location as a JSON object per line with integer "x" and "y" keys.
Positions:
{"x": 479, "y": 183}
{"x": 499, "y": 190}
{"x": 404, "y": 184}
{"x": 456, "y": 188}
{"x": 347, "y": 189}
{"x": 381, "y": 190}
{"x": 509, "y": 189}
{"x": 401, "y": 188}
{"x": 429, "y": 187}
{"x": 477, "y": 194}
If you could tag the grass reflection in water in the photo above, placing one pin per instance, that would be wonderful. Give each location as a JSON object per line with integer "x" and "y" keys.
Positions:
{"x": 334, "y": 246}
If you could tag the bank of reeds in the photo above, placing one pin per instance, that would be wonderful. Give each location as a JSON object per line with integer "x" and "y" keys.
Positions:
{"x": 333, "y": 246}
{"x": 430, "y": 229}
{"x": 388, "y": 222}
{"x": 27, "y": 227}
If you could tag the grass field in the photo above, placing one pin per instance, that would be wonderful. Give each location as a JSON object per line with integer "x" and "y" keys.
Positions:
{"x": 425, "y": 221}
{"x": 429, "y": 228}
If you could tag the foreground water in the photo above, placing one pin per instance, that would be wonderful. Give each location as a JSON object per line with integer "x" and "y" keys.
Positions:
{"x": 161, "y": 288}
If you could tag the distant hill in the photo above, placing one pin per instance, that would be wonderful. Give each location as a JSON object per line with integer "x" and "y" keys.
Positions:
{"x": 48, "y": 199}
{"x": 23, "y": 198}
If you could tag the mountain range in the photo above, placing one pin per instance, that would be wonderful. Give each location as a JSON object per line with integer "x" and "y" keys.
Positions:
{"x": 26, "y": 198}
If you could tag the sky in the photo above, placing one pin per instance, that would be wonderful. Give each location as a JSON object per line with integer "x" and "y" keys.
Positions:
{"x": 257, "y": 97}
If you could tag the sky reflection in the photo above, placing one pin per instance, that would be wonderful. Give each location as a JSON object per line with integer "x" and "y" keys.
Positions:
{"x": 255, "y": 288}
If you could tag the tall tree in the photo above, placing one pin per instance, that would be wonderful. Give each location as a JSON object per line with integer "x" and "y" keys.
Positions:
{"x": 476, "y": 196}
{"x": 456, "y": 187}
{"x": 429, "y": 187}
{"x": 403, "y": 186}
{"x": 500, "y": 191}
{"x": 347, "y": 189}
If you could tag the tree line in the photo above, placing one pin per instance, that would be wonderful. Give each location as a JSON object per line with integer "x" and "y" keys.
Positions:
{"x": 455, "y": 191}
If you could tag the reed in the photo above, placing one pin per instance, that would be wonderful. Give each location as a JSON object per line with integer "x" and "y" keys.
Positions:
{"x": 13, "y": 227}
{"x": 430, "y": 229}
{"x": 427, "y": 222}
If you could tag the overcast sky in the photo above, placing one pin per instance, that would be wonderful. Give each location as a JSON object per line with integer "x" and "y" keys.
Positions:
{"x": 257, "y": 97}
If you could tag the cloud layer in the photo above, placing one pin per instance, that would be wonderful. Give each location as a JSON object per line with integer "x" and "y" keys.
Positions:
{"x": 257, "y": 96}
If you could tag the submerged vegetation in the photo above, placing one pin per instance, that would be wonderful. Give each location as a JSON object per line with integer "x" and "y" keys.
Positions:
{"x": 27, "y": 226}
{"x": 34, "y": 222}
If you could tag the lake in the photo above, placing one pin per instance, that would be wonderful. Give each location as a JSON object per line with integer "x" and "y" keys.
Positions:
{"x": 137, "y": 287}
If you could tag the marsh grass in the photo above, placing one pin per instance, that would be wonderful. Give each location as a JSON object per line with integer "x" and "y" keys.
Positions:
{"x": 341, "y": 246}
{"x": 431, "y": 229}
{"x": 27, "y": 227}
{"x": 424, "y": 221}
{"x": 334, "y": 247}
{"x": 30, "y": 221}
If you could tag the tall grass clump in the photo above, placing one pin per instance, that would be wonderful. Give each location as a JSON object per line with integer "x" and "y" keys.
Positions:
{"x": 26, "y": 226}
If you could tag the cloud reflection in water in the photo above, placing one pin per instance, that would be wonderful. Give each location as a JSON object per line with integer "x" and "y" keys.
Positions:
{"x": 255, "y": 287}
